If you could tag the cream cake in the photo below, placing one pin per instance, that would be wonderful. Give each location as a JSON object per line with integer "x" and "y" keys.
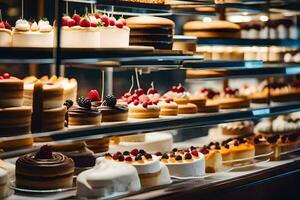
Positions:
{"x": 107, "y": 178}
{"x": 150, "y": 171}
{"x": 184, "y": 163}
{"x": 4, "y": 184}
{"x": 231, "y": 99}
{"x": 11, "y": 91}
{"x": 5, "y": 34}
{"x": 262, "y": 146}
{"x": 237, "y": 128}
{"x": 213, "y": 158}
{"x": 10, "y": 168}
{"x": 32, "y": 35}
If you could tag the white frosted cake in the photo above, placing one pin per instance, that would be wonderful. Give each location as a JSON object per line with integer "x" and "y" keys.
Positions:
{"x": 107, "y": 178}
{"x": 5, "y": 37}
{"x": 113, "y": 36}
{"x": 34, "y": 35}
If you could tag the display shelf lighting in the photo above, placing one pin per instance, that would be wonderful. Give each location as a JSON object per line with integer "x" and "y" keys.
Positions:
{"x": 263, "y": 18}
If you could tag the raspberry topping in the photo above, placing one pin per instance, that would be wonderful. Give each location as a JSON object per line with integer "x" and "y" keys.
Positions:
{"x": 6, "y": 76}
{"x": 71, "y": 22}
{"x": 76, "y": 18}
{"x": 128, "y": 159}
{"x": 115, "y": 156}
{"x": 93, "y": 95}
{"x": 165, "y": 156}
{"x": 148, "y": 156}
{"x": 97, "y": 15}
{"x": 139, "y": 91}
{"x": 204, "y": 151}
{"x": 195, "y": 153}
{"x": 187, "y": 156}
{"x": 119, "y": 24}
{"x": 112, "y": 21}
{"x": 134, "y": 152}
{"x": 7, "y": 25}
{"x": 85, "y": 22}
{"x": 158, "y": 154}
{"x": 105, "y": 20}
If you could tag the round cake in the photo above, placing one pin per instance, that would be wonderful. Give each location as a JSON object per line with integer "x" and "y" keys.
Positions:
{"x": 44, "y": 170}
{"x": 213, "y": 29}
{"x": 230, "y": 99}
{"x": 5, "y": 34}
{"x": 4, "y": 184}
{"x": 168, "y": 107}
{"x": 11, "y": 91}
{"x": 237, "y": 128}
{"x": 98, "y": 145}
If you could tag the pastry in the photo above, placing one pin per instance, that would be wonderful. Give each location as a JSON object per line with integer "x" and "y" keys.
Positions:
{"x": 83, "y": 113}
{"x": 181, "y": 97}
{"x": 107, "y": 178}
{"x": 237, "y": 128}
{"x": 281, "y": 144}
{"x": 184, "y": 163}
{"x": 4, "y": 184}
{"x": 32, "y": 35}
{"x": 213, "y": 157}
{"x": 213, "y": 29}
{"x": 5, "y": 34}
{"x": 98, "y": 145}
{"x": 210, "y": 105}
{"x": 151, "y": 31}
{"x": 151, "y": 172}
{"x": 150, "y": 142}
{"x": 9, "y": 168}
{"x": 11, "y": 91}
{"x": 230, "y": 99}
{"x": 262, "y": 146}
{"x": 141, "y": 106}
{"x": 44, "y": 170}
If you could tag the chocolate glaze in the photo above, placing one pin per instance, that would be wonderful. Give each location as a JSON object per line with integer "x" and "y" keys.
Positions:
{"x": 80, "y": 111}
{"x": 106, "y": 110}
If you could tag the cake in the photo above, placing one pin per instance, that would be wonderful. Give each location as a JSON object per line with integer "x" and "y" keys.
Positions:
{"x": 11, "y": 91}
{"x": 150, "y": 142}
{"x": 213, "y": 29}
{"x": 181, "y": 97}
{"x": 282, "y": 144}
{"x": 98, "y": 145}
{"x": 231, "y": 99}
{"x": 4, "y": 184}
{"x": 150, "y": 171}
{"x": 262, "y": 146}
{"x": 151, "y": 31}
{"x": 210, "y": 105}
{"x": 9, "y": 168}
{"x": 141, "y": 106}
{"x": 5, "y": 34}
{"x": 44, "y": 170}
{"x": 107, "y": 178}
{"x": 105, "y": 31}
{"x": 213, "y": 157}
{"x": 33, "y": 35}
{"x": 111, "y": 111}
{"x": 184, "y": 163}
{"x": 237, "y": 128}
{"x": 83, "y": 113}
{"x": 83, "y": 157}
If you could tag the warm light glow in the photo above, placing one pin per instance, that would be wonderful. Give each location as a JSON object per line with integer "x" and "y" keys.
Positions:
{"x": 206, "y": 19}
{"x": 245, "y": 13}
{"x": 239, "y": 18}
{"x": 264, "y": 18}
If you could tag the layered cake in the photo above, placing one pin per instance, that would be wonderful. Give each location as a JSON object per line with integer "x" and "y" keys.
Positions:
{"x": 281, "y": 144}
{"x": 231, "y": 99}
{"x": 151, "y": 172}
{"x": 237, "y": 128}
{"x": 9, "y": 168}
{"x": 151, "y": 31}
{"x": 31, "y": 168}
{"x": 98, "y": 145}
{"x": 184, "y": 163}
{"x": 32, "y": 35}
{"x": 213, "y": 29}
{"x": 83, "y": 113}
{"x": 107, "y": 178}
{"x": 11, "y": 91}
{"x": 111, "y": 111}
{"x": 150, "y": 142}
{"x": 105, "y": 31}
{"x": 261, "y": 144}
{"x": 140, "y": 105}
{"x": 181, "y": 97}
{"x": 5, "y": 34}
{"x": 213, "y": 157}
{"x": 210, "y": 105}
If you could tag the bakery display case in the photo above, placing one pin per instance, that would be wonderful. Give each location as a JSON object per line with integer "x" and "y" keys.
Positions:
{"x": 149, "y": 99}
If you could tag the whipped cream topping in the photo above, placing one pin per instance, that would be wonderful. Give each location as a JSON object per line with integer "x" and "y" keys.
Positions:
{"x": 44, "y": 26}
{"x": 148, "y": 166}
{"x": 264, "y": 126}
{"x": 172, "y": 94}
{"x": 34, "y": 26}
{"x": 164, "y": 103}
{"x": 281, "y": 124}
{"x": 247, "y": 90}
{"x": 237, "y": 125}
{"x": 140, "y": 106}
{"x": 155, "y": 96}
{"x": 22, "y": 25}
{"x": 295, "y": 116}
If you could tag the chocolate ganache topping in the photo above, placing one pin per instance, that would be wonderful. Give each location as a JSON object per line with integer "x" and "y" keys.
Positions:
{"x": 84, "y": 107}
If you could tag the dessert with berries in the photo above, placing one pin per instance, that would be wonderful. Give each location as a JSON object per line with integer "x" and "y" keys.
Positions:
{"x": 181, "y": 97}
{"x": 141, "y": 106}
{"x": 213, "y": 157}
{"x": 44, "y": 170}
{"x": 261, "y": 144}
{"x": 210, "y": 105}
{"x": 151, "y": 31}
{"x": 237, "y": 128}
{"x": 111, "y": 111}
{"x": 184, "y": 163}
{"x": 107, "y": 178}
{"x": 27, "y": 34}
{"x": 231, "y": 99}
{"x": 5, "y": 33}
{"x": 83, "y": 113}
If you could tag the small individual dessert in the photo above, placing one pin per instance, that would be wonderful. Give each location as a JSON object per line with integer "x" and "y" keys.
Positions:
{"x": 44, "y": 170}
{"x": 107, "y": 178}
{"x": 5, "y": 34}
{"x": 83, "y": 113}
{"x": 98, "y": 145}
{"x": 213, "y": 157}
{"x": 281, "y": 144}
{"x": 32, "y": 35}
{"x": 151, "y": 172}
{"x": 213, "y": 29}
{"x": 264, "y": 127}
{"x": 11, "y": 91}
{"x": 4, "y": 184}
{"x": 150, "y": 142}
{"x": 237, "y": 128}
{"x": 184, "y": 163}
{"x": 9, "y": 168}
{"x": 262, "y": 146}
{"x": 83, "y": 157}
{"x": 111, "y": 111}
{"x": 231, "y": 99}
{"x": 141, "y": 106}
{"x": 151, "y": 31}
{"x": 181, "y": 97}
{"x": 210, "y": 105}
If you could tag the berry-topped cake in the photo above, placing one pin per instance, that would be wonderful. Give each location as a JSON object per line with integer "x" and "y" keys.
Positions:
{"x": 140, "y": 105}
{"x": 230, "y": 99}
{"x": 210, "y": 105}
{"x": 184, "y": 163}
{"x": 44, "y": 170}
{"x": 181, "y": 97}
{"x": 32, "y": 34}
{"x": 151, "y": 171}
{"x": 94, "y": 31}
{"x": 111, "y": 111}
{"x": 107, "y": 178}
{"x": 262, "y": 146}
{"x": 237, "y": 128}
{"x": 5, "y": 34}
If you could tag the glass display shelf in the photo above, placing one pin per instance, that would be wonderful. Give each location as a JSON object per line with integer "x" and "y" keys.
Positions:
{"x": 248, "y": 42}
